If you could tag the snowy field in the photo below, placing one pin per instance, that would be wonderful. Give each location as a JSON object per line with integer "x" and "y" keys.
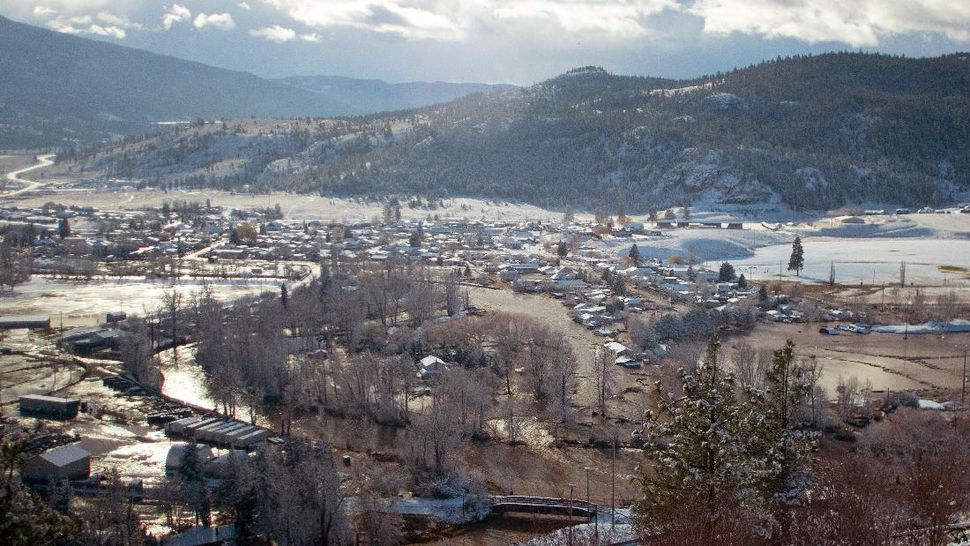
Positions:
{"x": 85, "y": 303}
{"x": 928, "y": 261}
{"x": 295, "y": 207}
{"x": 935, "y": 247}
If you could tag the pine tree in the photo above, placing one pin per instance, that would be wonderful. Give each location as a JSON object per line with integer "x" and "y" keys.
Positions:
{"x": 832, "y": 274}
{"x": 742, "y": 282}
{"x": 561, "y": 249}
{"x": 696, "y": 445}
{"x": 284, "y": 295}
{"x": 635, "y": 254}
{"x": 797, "y": 260}
{"x": 726, "y": 273}
{"x": 779, "y": 440}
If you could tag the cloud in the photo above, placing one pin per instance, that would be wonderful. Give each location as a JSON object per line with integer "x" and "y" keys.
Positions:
{"x": 615, "y": 19}
{"x": 274, "y": 33}
{"x": 244, "y": 6}
{"x": 450, "y": 20}
{"x": 175, "y": 14}
{"x": 403, "y": 18}
{"x": 857, "y": 22}
{"x": 42, "y": 11}
{"x": 102, "y": 24}
{"x": 85, "y": 25}
{"x": 219, "y": 21}
{"x": 282, "y": 35}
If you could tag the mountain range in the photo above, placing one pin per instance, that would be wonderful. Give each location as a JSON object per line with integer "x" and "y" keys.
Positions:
{"x": 58, "y": 89}
{"x": 814, "y": 132}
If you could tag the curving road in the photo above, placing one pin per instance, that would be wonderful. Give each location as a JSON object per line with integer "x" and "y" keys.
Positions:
{"x": 28, "y": 185}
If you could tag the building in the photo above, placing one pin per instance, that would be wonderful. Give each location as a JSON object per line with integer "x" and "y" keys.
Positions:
{"x": 49, "y": 406}
{"x": 70, "y": 462}
{"x": 10, "y": 322}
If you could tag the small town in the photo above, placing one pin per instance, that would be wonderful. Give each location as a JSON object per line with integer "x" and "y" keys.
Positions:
{"x": 421, "y": 299}
{"x": 484, "y": 273}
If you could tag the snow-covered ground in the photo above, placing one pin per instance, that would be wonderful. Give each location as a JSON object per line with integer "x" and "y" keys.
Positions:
{"x": 928, "y": 261}
{"x": 935, "y": 247}
{"x": 85, "y": 303}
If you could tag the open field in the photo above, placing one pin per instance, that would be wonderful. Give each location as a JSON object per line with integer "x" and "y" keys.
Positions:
{"x": 296, "y": 207}
{"x": 872, "y": 261}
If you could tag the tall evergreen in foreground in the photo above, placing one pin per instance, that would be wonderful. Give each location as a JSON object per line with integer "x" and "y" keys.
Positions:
{"x": 699, "y": 459}
{"x": 726, "y": 464}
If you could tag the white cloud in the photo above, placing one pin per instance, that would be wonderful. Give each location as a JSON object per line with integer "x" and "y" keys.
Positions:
{"x": 175, "y": 14}
{"x": 456, "y": 19}
{"x": 102, "y": 24}
{"x": 244, "y": 6}
{"x": 856, "y": 22}
{"x": 402, "y": 17}
{"x": 220, "y": 21}
{"x": 42, "y": 11}
{"x": 611, "y": 18}
{"x": 85, "y": 24}
{"x": 274, "y": 33}
{"x": 310, "y": 37}
{"x": 119, "y": 21}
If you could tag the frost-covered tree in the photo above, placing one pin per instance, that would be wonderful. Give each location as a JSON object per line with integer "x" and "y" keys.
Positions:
{"x": 698, "y": 455}
{"x": 779, "y": 439}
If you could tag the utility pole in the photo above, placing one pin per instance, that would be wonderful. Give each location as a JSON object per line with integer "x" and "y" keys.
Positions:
{"x": 569, "y": 531}
{"x": 613, "y": 487}
{"x": 587, "y": 469}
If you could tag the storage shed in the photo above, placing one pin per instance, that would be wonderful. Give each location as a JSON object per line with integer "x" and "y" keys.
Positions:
{"x": 11, "y": 322}
{"x": 70, "y": 462}
{"x": 49, "y": 406}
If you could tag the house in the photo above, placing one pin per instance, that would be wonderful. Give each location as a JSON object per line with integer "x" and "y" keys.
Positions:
{"x": 49, "y": 406}
{"x": 430, "y": 366}
{"x": 70, "y": 462}
{"x": 618, "y": 349}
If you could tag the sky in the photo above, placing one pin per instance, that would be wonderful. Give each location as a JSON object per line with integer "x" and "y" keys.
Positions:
{"x": 503, "y": 41}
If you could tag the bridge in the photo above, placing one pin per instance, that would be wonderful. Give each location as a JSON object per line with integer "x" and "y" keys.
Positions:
{"x": 543, "y": 505}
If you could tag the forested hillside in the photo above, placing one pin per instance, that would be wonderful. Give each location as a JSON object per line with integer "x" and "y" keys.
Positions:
{"x": 815, "y": 132}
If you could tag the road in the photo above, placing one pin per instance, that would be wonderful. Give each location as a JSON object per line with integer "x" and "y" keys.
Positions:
{"x": 28, "y": 185}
